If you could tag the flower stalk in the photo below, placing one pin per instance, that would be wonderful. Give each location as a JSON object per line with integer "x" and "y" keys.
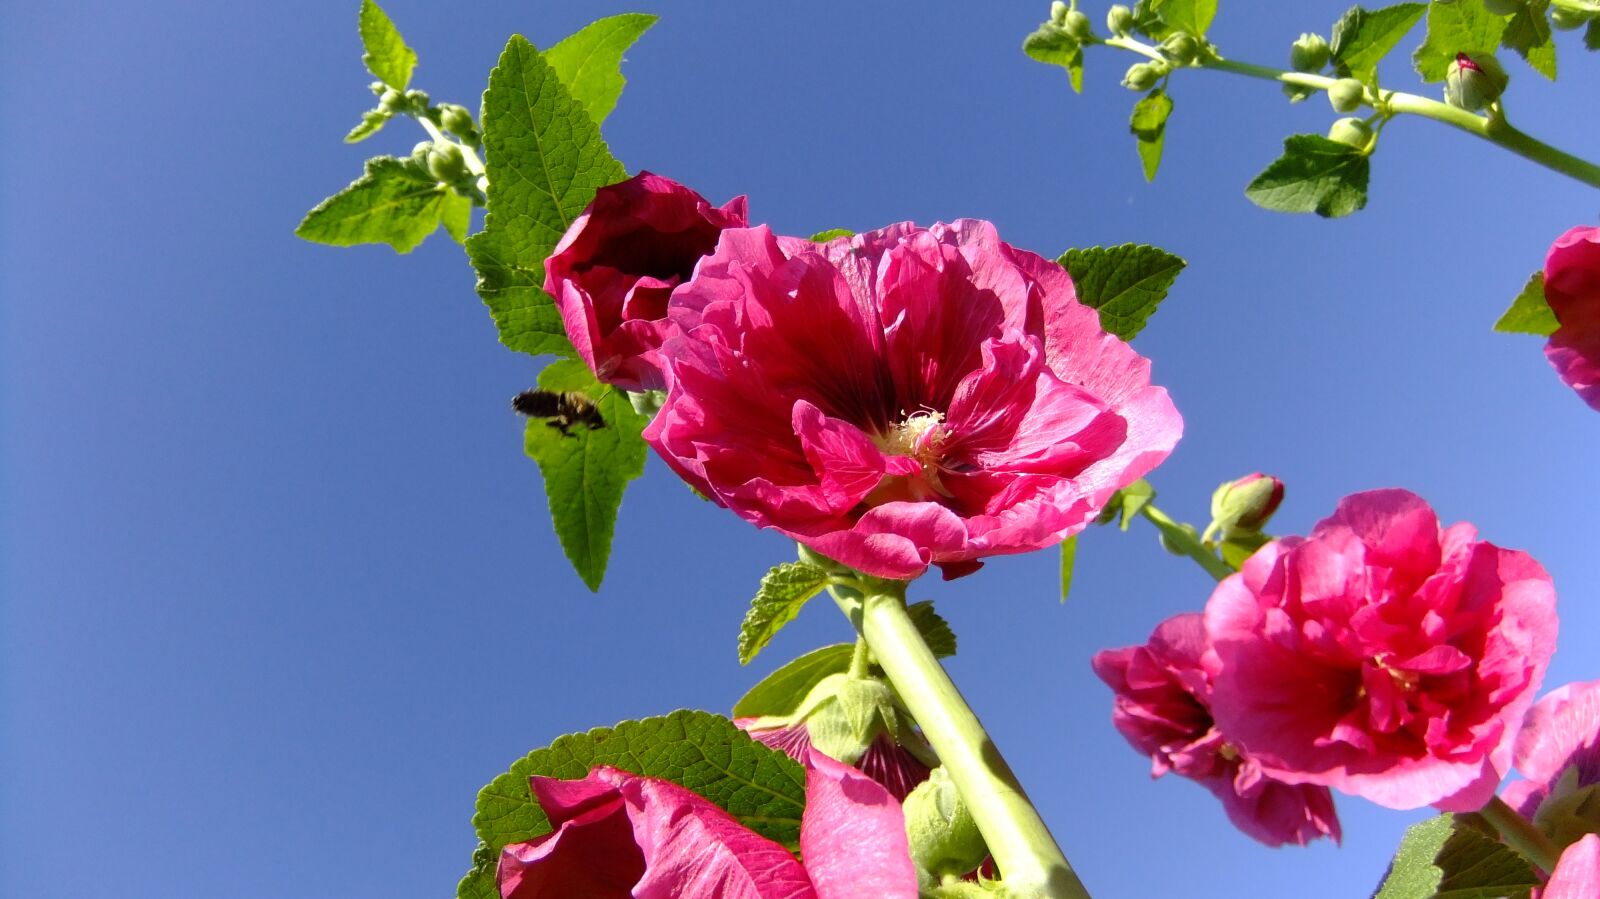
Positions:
{"x": 1186, "y": 543}
{"x": 1520, "y": 834}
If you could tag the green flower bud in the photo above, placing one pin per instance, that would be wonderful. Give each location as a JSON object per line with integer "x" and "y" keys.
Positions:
{"x": 1346, "y": 95}
{"x": 1078, "y": 25}
{"x": 1504, "y": 7}
{"x": 446, "y": 163}
{"x": 1119, "y": 20}
{"x": 1351, "y": 131}
{"x": 419, "y": 154}
{"x": 1309, "y": 53}
{"x": 417, "y": 100}
{"x": 1058, "y": 12}
{"x": 391, "y": 100}
{"x": 943, "y": 836}
{"x": 1181, "y": 48}
{"x": 1473, "y": 82}
{"x": 1567, "y": 19}
{"x": 1141, "y": 76}
{"x": 1244, "y": 506}
{"x": 377, "y": 88}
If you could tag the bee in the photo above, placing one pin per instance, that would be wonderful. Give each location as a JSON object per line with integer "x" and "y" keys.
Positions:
{"x": 560, "y": 410}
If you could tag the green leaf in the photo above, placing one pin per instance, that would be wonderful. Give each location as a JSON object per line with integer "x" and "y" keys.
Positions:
{"x": 784, "y": 591}
{"x": 456, "y": 216}
{"x": 479, "y": 883}
{"x": 1447, "y": 858}
{"x": 762, "y": 788}
{"x": 1528, "y": 33}
{"x": 589, "y": 61}
{"x": 935, "y": 630}
{"x": 545, "y": 160}
{"x": 1591, "y": 35}
{"x": 1314, "y": 174}
{"x": 586, "y": 470}
{"x": 1051, "y": 44}
{"x": 782, "y": 691}
{"x": 1459, "y": 26}
{"x": 1363, "y": 37}
{"x": 1239, "y": 547}
{"x": 387, "y": 55}
{"x": 1069, "y": 557}
{"x": 1193, "y": 16}
{"x": 1124, "y": 283}
{"x": 1529, "y": 312}
{"x": 1134, "y": 498}
{"x": 390, "y": 203}
{"x": 371, "y": 121}
{"x": 1149, "y": 126}
{"x": 830, "y": 234}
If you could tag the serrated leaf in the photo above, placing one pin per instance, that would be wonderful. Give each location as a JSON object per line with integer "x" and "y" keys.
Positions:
{"x": 456, "y": 216}
{"x": 782, "y": 691}
{"x": 1446, "y": 858}
{"x": 387, "y": 57}
{"x": 390, "y": 203}
{"x": 760, "y": 787}
{"x": 1149, "y": 126}
{"x": 1193, "y": 16}
{"x": 1051, "y": 44}
{"x": 830, "y": 234}
{"x": 589, "y": 61}
{"x": 1460, "y": 26}
{"x": 371, "y": 122}
{"x": 479, "y": 883}
{"x": 935, "y": 630}
{"x": 1134, "y": 498}
{"x": 784, "y": 591}
{"x": 1125, "y": 283}
{"x": 1363, "y": 37}
{"x": 1314, "y": 174}
{"x": 545, "y": 161}
{"x": 587, "y": 470}
{"x": 1069, "y": 559}
{"x": 1528, "y": 33}
{"x": 1529, "y": 313}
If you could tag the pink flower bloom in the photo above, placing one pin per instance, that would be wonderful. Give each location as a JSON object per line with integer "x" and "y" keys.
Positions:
{"x": 1572, "y": 288}
{"x": 906, "y": 397}
{"x": 1163, "y": 709}
{"x": 622, "y": 836}
{"x": 889, "y": 764}
{"x": 614, "y": 269}
{"x": 1382, "y": 656}
{"x": 1558, "y": 751}
{"x": 1577, "y": 874}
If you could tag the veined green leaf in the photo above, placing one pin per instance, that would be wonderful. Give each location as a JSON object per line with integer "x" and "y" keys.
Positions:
{"x": 1448, "y": 858}
{"x": 371, "y": 121}
{"x": 1362, "y": 37}
{"x": 935, "y": 630}
{"x": 387, "y": 55}
{"x": 1460, "y": 26}
{"x": 784, "y": 591}
{"x": 782, "y": 691}
{"x": 1529, "y": 313}
{"x": 1528, "y": 33}
{"x": 1051, "y": 44}
{"x": 1193, "y": 16}
{"x": 1149, "y": 126}
{"x": 1125, "y": 283}
{"x": 390, "y": 203}
{"x": 589, "y": 61}
{"x": 1314, "y": 174}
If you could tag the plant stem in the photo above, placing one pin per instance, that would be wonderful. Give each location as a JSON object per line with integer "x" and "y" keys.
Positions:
{"x": 1493, "y": 128}
{"x": 1030, "y": 862}
{"x": 1181, "y": 540}
{"x": 860, "y": 659}
{"x": 1520, "y": 834}
{"x": 474, "y": 164}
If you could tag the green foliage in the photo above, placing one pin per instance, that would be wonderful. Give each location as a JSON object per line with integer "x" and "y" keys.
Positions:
{"x": 762, "y": 788}
{"x": 387, "y": 57}
{"x": 1529, "y": 312}
{"x": 1238, "y": 547}
{"x": 456, "y": 216}
{"x": 586, "y": 470}
{"x": 784, "y": 591}
{"x": 1528, "y": 33}
{"x": 1069, "y": 558}
{"x": 935, "y": 630}
{"x": 1314, "y": 174}
{"x": 1448, "y": 858}
{"x": 1462, "y": 26}
{"x": 546, "y": 159}
{"x": 1051, "y": 44}
{"x": 589, "y": 61}
{"x": 1363, "y": 37}
{"x": 830, "y": 234}
{"x": 371, "y": 121}
{"x": 390, "y": 203}
{"x": 1132, "y": 499}
{"x": 782, "y": 691}
{"x": 1149, "y": 127}
{"x": 1192, "y": 16}
{"x": 1124, "y": 283}
{"x": 1591, "y": 35}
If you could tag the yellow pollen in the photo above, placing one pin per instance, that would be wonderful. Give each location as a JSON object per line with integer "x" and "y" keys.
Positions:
{"x": 918, "y": 437}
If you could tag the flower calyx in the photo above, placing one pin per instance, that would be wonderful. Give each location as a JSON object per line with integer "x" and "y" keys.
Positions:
{"x": 944, "y": 838}
{"x": 1474, "y": 81}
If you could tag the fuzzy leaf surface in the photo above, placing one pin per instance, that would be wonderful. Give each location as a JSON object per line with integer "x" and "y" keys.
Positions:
{"x": 1362, "y": 37}
{"x": 1314, "y": 174}
{"x": 390, "y": 203}
{"x": 1463, "y": 26}
{"x": 1193, "y": 16}
{"x": 1124, "y": 283}
{"x": 1528, "y": 33}
{"x": 784, "y": 591}
{"x": 589, "y": 61}
{"x": 1448, "y": 858}
{"x": 935, "y": 630}
{"x": 1529, "y": 312}
{"x": 387, "y": 57}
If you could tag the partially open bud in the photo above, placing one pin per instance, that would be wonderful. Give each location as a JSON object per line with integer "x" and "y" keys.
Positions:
{"x": 1244, "y": 506}
{"x": 1119, "y": 20}
{"x": 1309, "y": 53}
{"x": 1181, "y": 48}
{"x": 1564, "y": 19}
{"x": 1504, "y": 7}
{"x": 944, "y": 837}
{"x": 1473, "y": 82}
{"x": 1351, "y": 131}
{"x": 1058, "y": 12}
{"x": 1078, "y": 25}
{"x": 1141, "y": 76}
{"x": 1346, "y": 95}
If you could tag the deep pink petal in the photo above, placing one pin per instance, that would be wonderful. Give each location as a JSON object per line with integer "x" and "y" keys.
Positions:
{"x": 590, "y": 855}
{"x": 1577, "y": 874}
{"x": 853, "y": 835}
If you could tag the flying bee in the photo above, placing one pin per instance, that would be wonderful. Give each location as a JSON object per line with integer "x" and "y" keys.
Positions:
{"x": 560, "y": 410}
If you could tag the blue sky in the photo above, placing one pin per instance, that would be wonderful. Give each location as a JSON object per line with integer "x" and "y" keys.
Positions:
{"x": 279, "y": 588}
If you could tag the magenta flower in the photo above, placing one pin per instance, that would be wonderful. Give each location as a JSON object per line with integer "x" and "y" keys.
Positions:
{"x": 1163, "y": 709}
{"x": 614, "y": 269}
{"x": 1572, "y": 288}
{"x": 1577, "y": 874}
{"x": 906, "y": 397}
{"x": 1558, "y": 751}
{"x": 1382, "y": 656}
{"x": 622, "y": 836}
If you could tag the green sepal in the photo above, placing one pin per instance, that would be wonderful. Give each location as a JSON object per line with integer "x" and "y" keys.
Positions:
{"x": 1450, "y": 857}
{"x": 1069, "y": 558}
{"x": 1314, "y": 174}
{"x": 589, "y": 61}
{"x": 586, "y": 470}
{"x": 1051, "y": 44}
{"x": 1530, "y": 312}
{"x": 831, "y": 234}
{"x": 1149, "y": 126}
{"x": 782, "y": 691}
{"x": 387, "y": 55}
{"x": 1124, "y": 283}
{"x": 1528, "y": 33}
{"x": 784, "y": 591}
{"x": 1463, "y": 26}
{"x": 390, "y": 203}
{"x": 1126, "y": 503}
{"x": 1362, "y": 37}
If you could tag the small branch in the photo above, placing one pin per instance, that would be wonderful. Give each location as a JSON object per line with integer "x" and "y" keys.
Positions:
{"x": 474, "y": 164}
{"x": 1184, "y": 542}
{"x": 1520, "y": 834}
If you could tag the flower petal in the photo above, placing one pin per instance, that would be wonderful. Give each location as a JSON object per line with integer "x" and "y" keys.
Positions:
{"x": 853, "y": 835}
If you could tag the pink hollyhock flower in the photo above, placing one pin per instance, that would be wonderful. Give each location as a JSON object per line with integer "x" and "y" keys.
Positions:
{"x": 1577, "y": 874}
{"x": 1163, "y": 709}
{"x": 1558, "y": 751}
{"x": 1572, "y": 288}
{"x": 1382, "y": 656}
{"x": 890, "y": 765}
{"x": 622, "y": 836}
{"x": 614, "y": 269}
{"x": 906, "y": 397}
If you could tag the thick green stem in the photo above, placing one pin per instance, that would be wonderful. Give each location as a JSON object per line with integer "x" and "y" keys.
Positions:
{"x": 1030, "y": 862}
{"x": 1520, "y": 834}
{"x": 1186, "y": 543}
{"x": 1493, "y": 128}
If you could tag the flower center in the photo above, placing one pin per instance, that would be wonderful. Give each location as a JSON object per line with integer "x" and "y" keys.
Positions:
{"x": 919, "y": 436}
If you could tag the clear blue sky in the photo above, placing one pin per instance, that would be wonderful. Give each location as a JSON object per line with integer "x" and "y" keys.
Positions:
{"x": 279, "y": 588}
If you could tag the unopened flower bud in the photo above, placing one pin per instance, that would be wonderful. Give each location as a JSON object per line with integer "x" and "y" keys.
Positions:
{"x": 391, "y": 100}
{"x": 377, "y": 88}
{"x": 419, "y": 154}
{"x": 1564, "y": 19}
{"x": 1352, "y": 132}
{"x": 1078, "y": 25}
{"x": 1309, "y": 53}
{"x": 1181, "y": 48}
{"x": 416, "y": 99}
{"x": 1346, "y": 95}
{"x": 446, "y": 163}
{"x": 1473, "y": 82}
{"x": 1245, "y": 505}
{"x": 1119, "y": 20}
{"x": 944, "y": 837}
{"x": 1058, "y": 12}
{"x": 1141, "y": 76}
{"x": 456, "y": 119}
{"x": 1504, "y": 7}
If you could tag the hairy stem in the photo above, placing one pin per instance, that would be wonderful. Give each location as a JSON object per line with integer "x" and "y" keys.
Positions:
{"x": 1030, "y": 862}
{"x": 1181, "y": 540}
{"x": 1520, "y": 834}
{"x": 1492, "y": 128}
